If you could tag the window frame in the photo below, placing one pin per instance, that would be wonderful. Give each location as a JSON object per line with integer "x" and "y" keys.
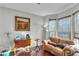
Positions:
{"x": 48, "y": 27}
{"x": 69, "y": 30}
{"x": 75, "y": 20}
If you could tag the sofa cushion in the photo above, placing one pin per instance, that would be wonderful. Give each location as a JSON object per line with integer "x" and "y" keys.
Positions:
{"x": 55, "y": 39}
{"x": 68, "y": 42}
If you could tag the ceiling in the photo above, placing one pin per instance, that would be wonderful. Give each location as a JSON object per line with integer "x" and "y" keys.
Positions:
{"x": 41, "y": 9}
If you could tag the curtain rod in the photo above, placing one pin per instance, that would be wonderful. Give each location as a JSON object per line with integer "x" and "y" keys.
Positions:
{"x": 75, "y": 12}
{"x": 69, "y": 15}
{"x": 51, "y": 19}
{"x": 65, "y": 16}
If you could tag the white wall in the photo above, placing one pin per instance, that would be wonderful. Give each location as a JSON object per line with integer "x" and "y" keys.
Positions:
{"x": 7, "y": 24}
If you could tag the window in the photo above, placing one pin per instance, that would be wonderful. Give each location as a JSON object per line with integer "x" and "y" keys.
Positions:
{"x": 64, "y": 36}
{"x": 76, "y": 29}
{"x": 64, "y": 25}
{"x": 64, "y": 28}
{"x": 52, "y": 28}
{"x": 77, "y": 23}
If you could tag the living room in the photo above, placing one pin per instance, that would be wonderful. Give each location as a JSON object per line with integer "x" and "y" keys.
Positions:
{"x": 39, "y": 23}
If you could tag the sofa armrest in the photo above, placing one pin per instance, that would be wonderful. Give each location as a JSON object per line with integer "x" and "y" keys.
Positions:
{"x": 45, "y": 42}
{"x": 68, "y": 51}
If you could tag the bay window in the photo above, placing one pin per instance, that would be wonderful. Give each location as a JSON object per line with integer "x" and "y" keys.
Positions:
{"x": 66, "y": 27}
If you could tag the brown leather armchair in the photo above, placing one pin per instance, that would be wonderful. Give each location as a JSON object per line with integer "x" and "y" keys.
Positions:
{"x": 56, "y": 50}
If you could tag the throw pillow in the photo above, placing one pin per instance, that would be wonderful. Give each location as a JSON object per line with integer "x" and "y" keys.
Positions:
{"x": 60, "y": 45}
{"x": 52, "y": 43}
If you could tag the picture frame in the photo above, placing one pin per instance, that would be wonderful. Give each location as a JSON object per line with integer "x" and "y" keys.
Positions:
{"x": 22, "y": 23}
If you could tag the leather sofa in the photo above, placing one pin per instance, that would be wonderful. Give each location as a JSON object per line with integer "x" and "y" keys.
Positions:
{"x": 66, "y": 51}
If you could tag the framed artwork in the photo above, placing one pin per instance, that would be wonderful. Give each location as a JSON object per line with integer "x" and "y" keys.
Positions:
{"x": 22, "y": 23}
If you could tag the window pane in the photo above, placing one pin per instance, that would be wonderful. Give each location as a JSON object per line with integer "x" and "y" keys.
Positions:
{"x": 52, "y": 34}
{"x": 52, "y": 28}
{"x": 52, "y": 25}
{"x": 64, "y": 36}
{"x": 77, "y": 24}
{"x": 64, "y": 25}
{"x": 76, "y": 34}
